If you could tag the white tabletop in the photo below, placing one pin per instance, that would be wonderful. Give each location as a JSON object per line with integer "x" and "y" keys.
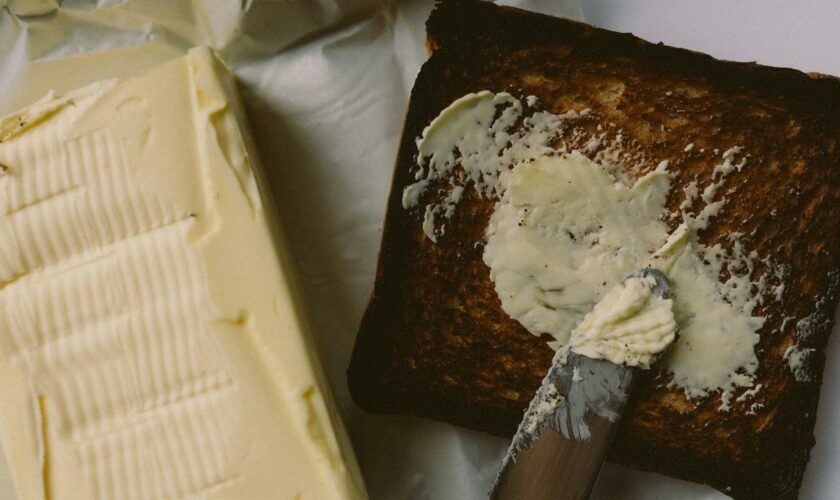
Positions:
{"x": 803, "y": 35}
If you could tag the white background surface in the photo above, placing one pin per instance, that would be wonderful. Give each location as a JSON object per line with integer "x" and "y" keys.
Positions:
{"x": 799, "y": 34}
{"x": 326, "y": 84}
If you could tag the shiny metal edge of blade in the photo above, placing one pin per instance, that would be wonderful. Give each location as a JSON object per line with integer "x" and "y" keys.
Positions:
{"x": 575, "y": 389}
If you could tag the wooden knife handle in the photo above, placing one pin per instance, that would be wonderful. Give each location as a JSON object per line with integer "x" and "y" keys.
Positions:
{"x": 555, "y": 468}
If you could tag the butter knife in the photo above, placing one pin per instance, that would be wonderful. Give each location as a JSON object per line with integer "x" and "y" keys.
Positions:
{"x": 562, "y": 441}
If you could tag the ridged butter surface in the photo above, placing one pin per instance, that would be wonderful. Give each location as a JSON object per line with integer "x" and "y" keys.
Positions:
{"x": 150, "y": 344}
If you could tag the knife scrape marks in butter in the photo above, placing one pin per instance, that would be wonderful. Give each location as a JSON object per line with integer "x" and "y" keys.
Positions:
{"x": 145, "y": 317}
{"x": 570, "y": 224}
{"x": 565, "y": 232}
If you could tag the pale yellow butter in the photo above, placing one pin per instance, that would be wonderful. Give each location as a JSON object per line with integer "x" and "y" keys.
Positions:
{"x": 151, "y": 340}
{"x": 630, "y": 326}
{"x": 566, "y": 232}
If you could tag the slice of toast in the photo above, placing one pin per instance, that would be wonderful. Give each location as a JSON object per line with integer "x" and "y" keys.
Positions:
{"x": 434, "y": 340}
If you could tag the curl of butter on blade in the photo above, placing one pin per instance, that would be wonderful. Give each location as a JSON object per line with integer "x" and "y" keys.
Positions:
{"x": 630, "y": 326}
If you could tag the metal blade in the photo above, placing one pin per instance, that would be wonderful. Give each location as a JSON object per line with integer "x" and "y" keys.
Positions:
{"x": 580, "y": 399}
{"x": 576, "y": 391}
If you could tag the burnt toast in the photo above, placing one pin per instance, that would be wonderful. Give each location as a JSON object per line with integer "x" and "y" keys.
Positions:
{"x": 434, "y": 340}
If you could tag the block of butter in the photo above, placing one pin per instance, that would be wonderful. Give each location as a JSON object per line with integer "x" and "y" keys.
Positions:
{"x": 151, "y": 341}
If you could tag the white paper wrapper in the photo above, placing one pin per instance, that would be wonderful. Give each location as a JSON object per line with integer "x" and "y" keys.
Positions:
{"x": 326, "y": 83}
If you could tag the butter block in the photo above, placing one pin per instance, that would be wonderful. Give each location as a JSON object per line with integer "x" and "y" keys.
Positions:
{"x": 151, "y": 340}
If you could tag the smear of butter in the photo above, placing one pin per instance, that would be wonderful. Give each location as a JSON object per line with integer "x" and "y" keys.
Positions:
{"x": 567, "y": 229}
{"x": 630, "y": 326}
{"x": 476, "y": 132}
{"x": 565, "y": 232}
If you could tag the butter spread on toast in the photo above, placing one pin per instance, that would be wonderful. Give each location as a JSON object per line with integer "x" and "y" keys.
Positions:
{"x": 570, "y": 224}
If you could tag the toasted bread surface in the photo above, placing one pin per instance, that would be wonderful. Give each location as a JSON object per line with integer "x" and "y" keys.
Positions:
{"x": 434, "y": 340}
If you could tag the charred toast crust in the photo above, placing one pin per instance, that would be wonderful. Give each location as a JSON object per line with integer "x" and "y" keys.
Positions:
{"x": 434, "y": 340}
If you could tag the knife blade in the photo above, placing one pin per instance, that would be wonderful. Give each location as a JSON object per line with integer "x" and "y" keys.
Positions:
{"x": 561, "y": 443}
